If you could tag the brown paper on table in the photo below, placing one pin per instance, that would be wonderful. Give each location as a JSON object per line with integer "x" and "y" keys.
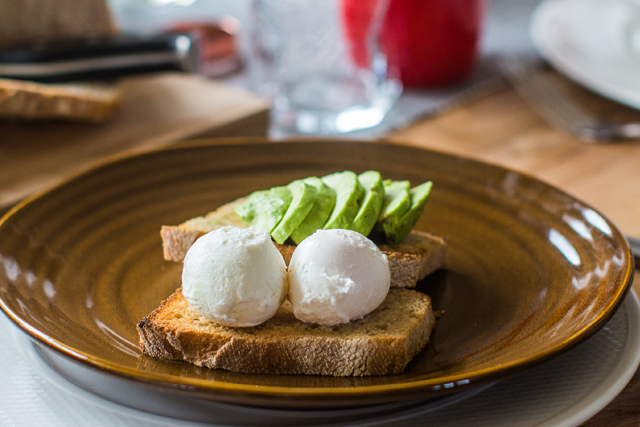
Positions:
{"x": 157, "y": 110}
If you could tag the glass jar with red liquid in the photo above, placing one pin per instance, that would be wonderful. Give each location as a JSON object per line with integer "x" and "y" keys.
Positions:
{"x": 430, "y": 42}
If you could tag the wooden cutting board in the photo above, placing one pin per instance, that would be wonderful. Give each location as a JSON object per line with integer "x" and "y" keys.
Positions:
{"x": 157, "y": 110}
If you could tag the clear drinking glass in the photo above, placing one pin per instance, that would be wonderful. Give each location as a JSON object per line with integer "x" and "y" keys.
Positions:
{"x": 321, "y": 63}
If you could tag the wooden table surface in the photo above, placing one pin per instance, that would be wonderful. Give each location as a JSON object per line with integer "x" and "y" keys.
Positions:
{"x": 502, "y": 129}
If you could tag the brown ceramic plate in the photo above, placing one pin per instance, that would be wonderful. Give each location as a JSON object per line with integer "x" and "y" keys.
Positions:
{"x": 531, "y": 270}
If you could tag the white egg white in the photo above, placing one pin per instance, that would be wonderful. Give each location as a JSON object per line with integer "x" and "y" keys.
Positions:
{"x": 336, "y": 276}
{"x": 235, "y": 276}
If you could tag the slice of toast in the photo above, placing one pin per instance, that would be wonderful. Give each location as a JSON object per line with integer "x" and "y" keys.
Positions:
{"x": 382, "y": 342}
{"x": 418, "y": 255}
{"x": 81, "y": 102}
{"x": 33, "y": 22}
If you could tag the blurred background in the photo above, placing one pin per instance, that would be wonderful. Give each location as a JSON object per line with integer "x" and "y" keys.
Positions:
{"x": 504, "y": 29}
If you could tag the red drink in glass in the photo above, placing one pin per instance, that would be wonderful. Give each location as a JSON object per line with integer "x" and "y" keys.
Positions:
{"x": 430, "y": 42}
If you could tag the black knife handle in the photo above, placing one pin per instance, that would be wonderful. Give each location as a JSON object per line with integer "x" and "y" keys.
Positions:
{"x": 101, "y": 58}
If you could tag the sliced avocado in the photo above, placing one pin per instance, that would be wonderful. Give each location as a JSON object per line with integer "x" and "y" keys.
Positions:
{"x": 369, "y": 212}
{"x": 319, "y": 213}
{"x": 349, "y": 194}
{"x": 402, "y": 227}
{"x": 264, "y": 209}
{"x": 396, "y": 199}
{"x": 303, "y": 199}
{"x": 397, "y": 202}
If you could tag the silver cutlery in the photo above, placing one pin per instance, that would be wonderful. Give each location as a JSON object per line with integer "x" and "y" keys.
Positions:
{"x": 557, "y": 107}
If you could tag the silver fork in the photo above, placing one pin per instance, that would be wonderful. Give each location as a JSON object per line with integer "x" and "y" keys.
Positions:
{"x": 557, "y": 107}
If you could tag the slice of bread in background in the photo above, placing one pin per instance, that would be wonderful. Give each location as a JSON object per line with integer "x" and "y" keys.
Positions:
{"x": 418, "y": 255}
{"x": 85, "y": 102}
{"x": 26, "y": 22}
{"x": 382, "y": 342}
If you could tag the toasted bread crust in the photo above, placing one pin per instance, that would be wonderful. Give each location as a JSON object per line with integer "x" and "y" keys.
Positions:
{"x": 418, "y": 255}
{"x": 29, "y": 100}
{"x": 383, "y": 342}
{"x": 177, "y": 240}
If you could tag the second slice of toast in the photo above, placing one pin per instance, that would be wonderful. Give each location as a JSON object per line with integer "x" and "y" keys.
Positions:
{"x": 416, "y": 256}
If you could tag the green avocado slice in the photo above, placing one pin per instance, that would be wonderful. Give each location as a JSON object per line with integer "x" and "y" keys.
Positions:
{"x": 397, "y": 202}
{"x": 349, "y": 194}
{"x": 319, "y": 213}
{"x": 396, "y": 199}
{"x": 405, "y": 224}
{"x": 264, "y": 209}
{"x": 369, "y": 212}
{"x": 303, "y": 198}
